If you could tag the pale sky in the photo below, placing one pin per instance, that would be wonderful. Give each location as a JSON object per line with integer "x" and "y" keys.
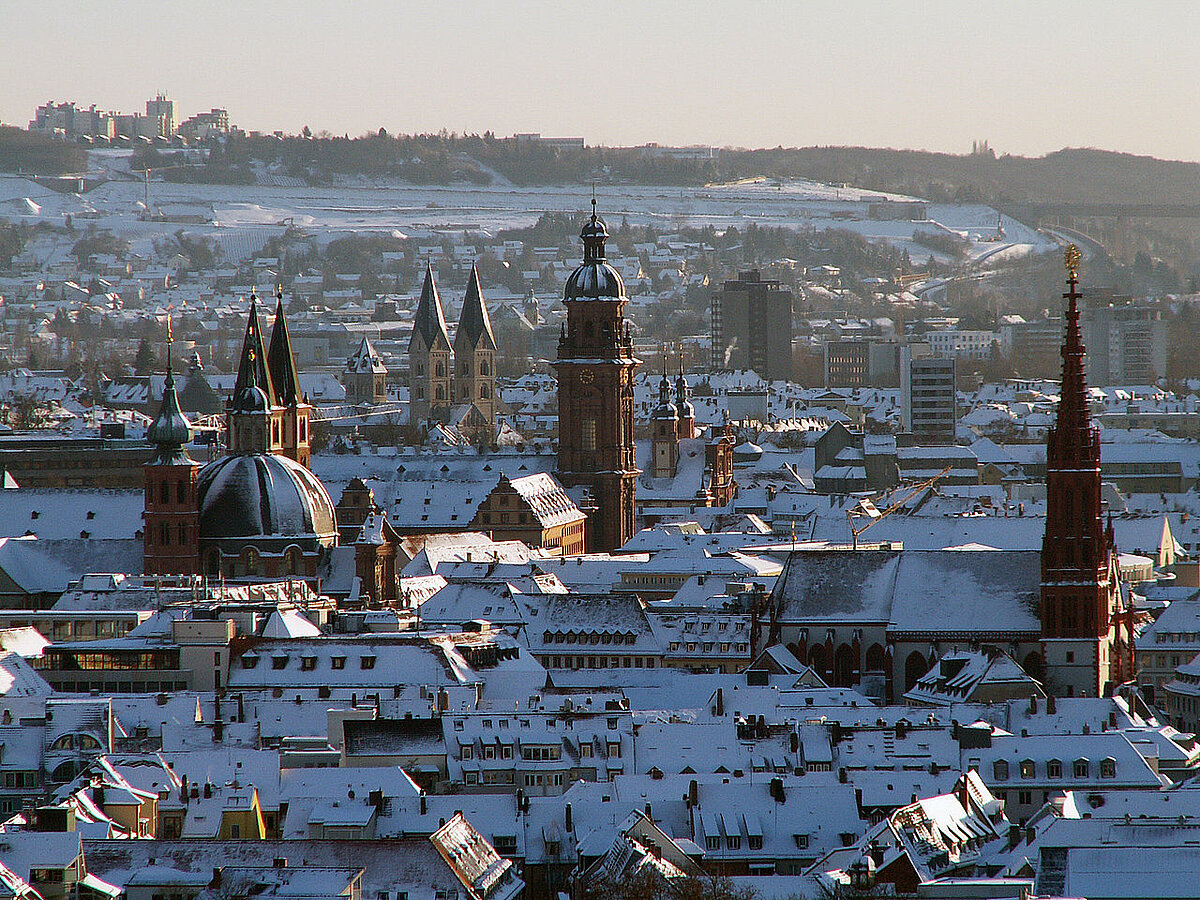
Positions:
{"x": 1030, "y": 77}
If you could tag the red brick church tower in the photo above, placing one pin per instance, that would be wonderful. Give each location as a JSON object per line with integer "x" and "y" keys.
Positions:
{"x": 1079, "y": 591}
{"x": 595, "y": 392}
{"x": 171, "y": 527}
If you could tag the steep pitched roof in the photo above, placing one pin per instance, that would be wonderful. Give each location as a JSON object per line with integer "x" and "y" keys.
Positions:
{"x": 281, "y": 362}
{"x": 474, "y": 326}
{"x": 252, "y": 369}
{"x": 366, "y": 360}
{"x": 430, "y": 321}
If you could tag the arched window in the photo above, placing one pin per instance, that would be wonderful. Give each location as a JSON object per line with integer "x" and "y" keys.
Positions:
{"x": 164, "y": 534}
{"x": 588, "y": 435}
{"x": 483, "y": 367}
{"x": 250, "y": 561}
{"x": 164, "y": 492}
{"x": 441, "y": 370}
{"x": 180, "y": 491}
{"x": 65, "y": 772}
{"x": 484, "y": 391}
{"x": 914, "y": 667}
{"x": 214, "y": 562}
{"x": 293, "y": 561}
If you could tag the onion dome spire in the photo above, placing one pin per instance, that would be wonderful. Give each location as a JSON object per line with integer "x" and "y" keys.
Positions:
{"x": 683, "y": 393}
{"x": 666, "y": 409}
{"x": 594, "y": 279}
{"x": 170, "y": 429}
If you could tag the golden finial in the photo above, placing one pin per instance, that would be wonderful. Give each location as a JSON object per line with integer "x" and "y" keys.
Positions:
{"x": 170, "y": 335}
{"x": 1072, "y": 258}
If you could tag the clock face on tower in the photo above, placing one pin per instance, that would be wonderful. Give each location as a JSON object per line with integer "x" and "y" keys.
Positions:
{"x": 586, "y": 377}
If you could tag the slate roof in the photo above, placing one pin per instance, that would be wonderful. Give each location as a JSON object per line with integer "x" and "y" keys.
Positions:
{"x": 430, "y": 321}
{"x": 940, "y": 591}
{"x": 474, "y": 326}
{"x": 281, "y": 362}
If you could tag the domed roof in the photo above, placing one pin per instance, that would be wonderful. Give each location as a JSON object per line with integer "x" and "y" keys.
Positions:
{"x": 594, "y": 279}
{"x": 252, "y": 399}
{"x": 263, "y": 495}
{"x": 170, "y": 429}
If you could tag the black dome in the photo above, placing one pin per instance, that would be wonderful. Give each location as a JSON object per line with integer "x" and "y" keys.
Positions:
{"x": 594, "y": 281}
{"x": 263, "y": 495}
{"x": 252, "y": 399}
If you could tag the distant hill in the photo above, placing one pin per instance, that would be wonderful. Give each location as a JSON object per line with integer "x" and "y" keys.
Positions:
{"x": 1072, "y": 175}
{"x": 36, "y": 154}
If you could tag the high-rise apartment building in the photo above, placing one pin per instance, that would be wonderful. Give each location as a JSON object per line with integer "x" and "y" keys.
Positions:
{"x": 1126, "y": 342}
{"x": 927, "y": 395}
{"x": 752, "y": 327}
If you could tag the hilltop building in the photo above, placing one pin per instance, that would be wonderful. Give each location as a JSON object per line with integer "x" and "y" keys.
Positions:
{"x": 595, "y": 367}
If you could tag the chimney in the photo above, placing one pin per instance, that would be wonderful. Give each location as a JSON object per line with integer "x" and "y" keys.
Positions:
{"x": 720, "y": 702}
{"x": 215, "y": 884}
{"x": 1050, "y": 705}
{"x": 693, "y": 793}
{"x": 1014, "y": 836}
{"x": 424, "y": 803}
{"x": 649, "y": 813}
{"x": 1033, "y": 704}
{"x": 568, "y": 824}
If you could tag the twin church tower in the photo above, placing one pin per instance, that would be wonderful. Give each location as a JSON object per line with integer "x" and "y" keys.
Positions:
{"x": 457, "y": 383}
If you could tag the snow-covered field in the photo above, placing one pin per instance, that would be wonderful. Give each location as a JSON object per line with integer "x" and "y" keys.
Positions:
{"x": 424, "y": 210}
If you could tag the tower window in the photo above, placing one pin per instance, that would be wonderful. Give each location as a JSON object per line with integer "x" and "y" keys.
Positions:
{"x": 180, "y": 491}
{"x": 164, "y": 492}
{"x": 588, "y": 434}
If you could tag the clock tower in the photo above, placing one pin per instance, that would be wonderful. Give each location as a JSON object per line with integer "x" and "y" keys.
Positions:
{"x": 595, "y": 368}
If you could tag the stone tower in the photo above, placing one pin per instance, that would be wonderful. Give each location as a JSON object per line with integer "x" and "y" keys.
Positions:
{"x": 595, "y": 367}
{"x": 664, "y": 431}
{"x": 475, "y": 354}
{"x": 365, "y": 376}
{"x": 1079, "y": 592}
{"x": 171, "y": 529}
{"x": 429, "y": 362}
{"x": 295, "y": 410}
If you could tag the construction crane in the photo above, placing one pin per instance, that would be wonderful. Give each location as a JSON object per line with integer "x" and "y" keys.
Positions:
{"x": 867, "y": 508}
